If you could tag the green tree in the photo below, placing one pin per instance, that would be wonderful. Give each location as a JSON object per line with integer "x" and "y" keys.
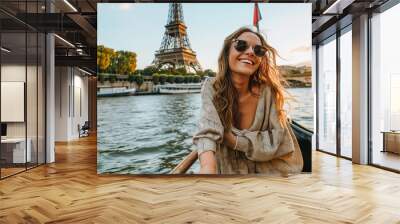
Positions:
{"x": 200, "y": 73}
{"x": 131, "y": 78}
{"x": 149, "y": 70}
{"x": 112, "y": 68}
{"x": 191, "y": 78}
{"x": 156, "y": 78}
{"x": 163, "y": 78}
{"x": 104, "y": 57}
{"x": 196, "y": 79}
{"x": 180, "y": 71}
{"x": 112, "y": 78}
{"x": 138, "y": 72}
{"x": 139, "y": 80}
{"x": 122, "y": 62}
{"x": 209, "y": 72}
{"x": 101, "y": 78}
{"x": 171, "y": 78}
{"x": 132, "y": 62}
{"x": 164, "y": 71}
{"x": 187, "y": 79}
{"x": 172, "y": 72}
{"x": 179, "y": 79}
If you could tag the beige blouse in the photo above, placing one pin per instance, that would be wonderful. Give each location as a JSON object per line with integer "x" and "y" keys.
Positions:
{"x": 266, "y": 147}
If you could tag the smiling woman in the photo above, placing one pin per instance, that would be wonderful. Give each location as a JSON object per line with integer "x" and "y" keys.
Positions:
{"x": 243, "y": 127}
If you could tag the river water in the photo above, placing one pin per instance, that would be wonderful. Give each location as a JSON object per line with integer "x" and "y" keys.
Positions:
{"x": 152, "y": 134}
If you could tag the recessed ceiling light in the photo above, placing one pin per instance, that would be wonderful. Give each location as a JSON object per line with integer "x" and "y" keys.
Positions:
{"x": 337, "y": 7}
{"x": 5, "y": 49}
{"x": 64, "y": 40}
{"x": 70, "y": 5}
{"x": 86, "y": 72}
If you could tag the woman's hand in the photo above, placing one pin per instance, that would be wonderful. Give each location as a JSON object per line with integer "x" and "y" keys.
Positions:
{"x": 208, "y": 164}
{"x": 229, "y": 139}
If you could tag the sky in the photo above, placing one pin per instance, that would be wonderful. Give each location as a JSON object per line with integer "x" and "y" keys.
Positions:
{"x": 139, "y": 27}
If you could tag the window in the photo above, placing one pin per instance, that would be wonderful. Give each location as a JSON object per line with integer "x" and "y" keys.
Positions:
{"x": 327, "y": 95}
{"x": 346, "y": 93}
{"x": 385, "y": 88}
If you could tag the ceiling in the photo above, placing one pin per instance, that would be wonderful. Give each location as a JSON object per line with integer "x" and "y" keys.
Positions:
{"x": 76, "y": 22}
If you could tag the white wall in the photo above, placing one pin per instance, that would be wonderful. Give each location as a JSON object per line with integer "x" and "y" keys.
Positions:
{"x": 13, "y": 72}
{"x": 79, "y": 102}
{"x": 62, "y": 81}
{"x": 9, "y": 73}
{"x": 71, "y": 94}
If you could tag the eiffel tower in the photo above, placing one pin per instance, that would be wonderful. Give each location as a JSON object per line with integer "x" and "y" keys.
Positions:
{"x": 175, "y": 50}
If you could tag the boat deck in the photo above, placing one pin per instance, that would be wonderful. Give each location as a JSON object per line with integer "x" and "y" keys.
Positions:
{"x": 70, "y": 191}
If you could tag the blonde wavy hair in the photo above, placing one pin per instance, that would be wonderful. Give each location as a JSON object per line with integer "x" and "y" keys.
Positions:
{"x": 226, "y": 95}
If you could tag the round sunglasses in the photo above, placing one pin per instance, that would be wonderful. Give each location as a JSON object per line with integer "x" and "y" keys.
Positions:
{"x": 242, "y": 45}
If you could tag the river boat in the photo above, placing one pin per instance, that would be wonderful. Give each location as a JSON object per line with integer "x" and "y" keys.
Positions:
{"x": 180, "y": 88}
{"x": 115, "y": 91}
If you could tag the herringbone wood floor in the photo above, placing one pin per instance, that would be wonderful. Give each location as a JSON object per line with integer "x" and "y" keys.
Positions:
{"x": 70, "y": 191}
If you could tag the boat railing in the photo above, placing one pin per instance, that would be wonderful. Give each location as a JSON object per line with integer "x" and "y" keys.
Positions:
{"x": 186, "y": 163}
